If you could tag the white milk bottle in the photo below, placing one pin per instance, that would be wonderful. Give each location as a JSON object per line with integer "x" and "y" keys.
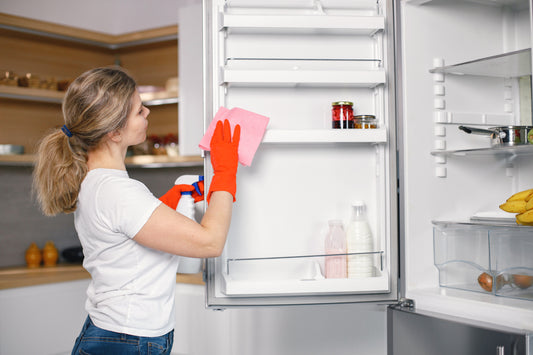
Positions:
{"x": 335, "y": 244}
{"x": 359, "y": 240}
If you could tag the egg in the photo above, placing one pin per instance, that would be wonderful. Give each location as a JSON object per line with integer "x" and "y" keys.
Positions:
{"x": 522, "y": 281}
{"x": 485, "y": 281}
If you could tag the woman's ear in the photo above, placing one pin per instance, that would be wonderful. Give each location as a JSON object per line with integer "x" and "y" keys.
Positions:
{"x": 115, "y": 136}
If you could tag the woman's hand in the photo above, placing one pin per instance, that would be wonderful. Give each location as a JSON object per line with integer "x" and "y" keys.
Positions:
{"x": 224, "y": 158}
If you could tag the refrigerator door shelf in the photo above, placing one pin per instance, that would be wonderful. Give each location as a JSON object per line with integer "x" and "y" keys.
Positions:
{"x": 326, "y": 136}
{"x": 297, "y": 275}
{"x": 360, "y": 25}
{"x": 266, "y": 78}
{"x": 373, "y": 285}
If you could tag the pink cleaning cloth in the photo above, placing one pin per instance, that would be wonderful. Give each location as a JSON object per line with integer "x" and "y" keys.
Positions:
{"x": 253, "y": 127}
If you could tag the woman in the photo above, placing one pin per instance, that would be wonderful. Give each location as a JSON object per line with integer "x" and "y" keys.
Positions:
{"x": 130, "y": 238}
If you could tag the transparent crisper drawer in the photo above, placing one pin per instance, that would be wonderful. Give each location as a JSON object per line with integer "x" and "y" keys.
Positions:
{"x": 495, "y": 259}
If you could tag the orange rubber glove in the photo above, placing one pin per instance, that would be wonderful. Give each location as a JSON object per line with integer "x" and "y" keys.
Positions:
{"x": 172, "y": 196}
{"x": 224, "y": 158}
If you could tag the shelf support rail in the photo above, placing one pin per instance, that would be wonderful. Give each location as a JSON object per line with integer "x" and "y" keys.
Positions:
{"x": 380, "y": 253}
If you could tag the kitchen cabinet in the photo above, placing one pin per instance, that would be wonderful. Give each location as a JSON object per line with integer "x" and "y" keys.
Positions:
{"x": 50, "y": 50}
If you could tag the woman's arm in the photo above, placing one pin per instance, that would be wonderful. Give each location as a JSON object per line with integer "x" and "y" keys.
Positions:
{"x": 171, "y": 232}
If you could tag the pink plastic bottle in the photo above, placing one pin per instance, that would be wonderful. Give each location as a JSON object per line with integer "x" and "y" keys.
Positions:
{"x": 335, "y": 244}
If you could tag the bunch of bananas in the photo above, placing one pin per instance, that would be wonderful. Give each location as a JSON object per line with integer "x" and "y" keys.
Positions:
{"x": 522, "y": 204}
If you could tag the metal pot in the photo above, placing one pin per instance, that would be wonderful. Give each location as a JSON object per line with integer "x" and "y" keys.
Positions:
{"x": 504, "y": 135}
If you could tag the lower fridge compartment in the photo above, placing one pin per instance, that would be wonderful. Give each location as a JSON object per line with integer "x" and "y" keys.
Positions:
{"x": 298, "y": 275}
{"x": 486, "y": 258}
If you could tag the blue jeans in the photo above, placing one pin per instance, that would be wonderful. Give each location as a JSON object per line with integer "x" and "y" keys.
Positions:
{"x": 95, "y": 341}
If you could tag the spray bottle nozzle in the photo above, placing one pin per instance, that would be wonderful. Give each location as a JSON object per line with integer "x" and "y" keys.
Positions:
{"x": 196, "y": 187}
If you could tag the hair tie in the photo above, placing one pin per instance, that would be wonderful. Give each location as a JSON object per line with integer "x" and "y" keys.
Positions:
{"x": 66, "y": 131}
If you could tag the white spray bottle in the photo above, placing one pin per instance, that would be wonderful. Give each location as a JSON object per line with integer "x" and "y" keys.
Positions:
{"x": 194, "y": 211}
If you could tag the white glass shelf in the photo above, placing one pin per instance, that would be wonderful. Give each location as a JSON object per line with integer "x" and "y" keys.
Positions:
{"x": 512, "y": 151}
{"x": 506, "y": 65}
{"x": 326, "y": 136}
{"x": 516, "y": 4}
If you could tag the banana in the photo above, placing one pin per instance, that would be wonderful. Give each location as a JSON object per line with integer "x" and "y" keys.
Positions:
{"x": 518, "y": 206}
{"x": 525, "y": 217}
{"x": 522, "y": 195}
{"x": 523, "y": 223}
{"x": 529, "y": 204}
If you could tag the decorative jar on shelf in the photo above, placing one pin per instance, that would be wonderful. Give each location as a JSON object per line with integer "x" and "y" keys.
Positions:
{"x": 50, "y": 254}
{"x": 33, "y": 256}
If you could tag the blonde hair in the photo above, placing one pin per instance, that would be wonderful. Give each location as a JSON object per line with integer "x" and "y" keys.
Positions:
{"x": 96, "y": 103}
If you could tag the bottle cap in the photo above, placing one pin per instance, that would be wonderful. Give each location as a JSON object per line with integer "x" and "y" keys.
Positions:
{"x": 359, "y": 208}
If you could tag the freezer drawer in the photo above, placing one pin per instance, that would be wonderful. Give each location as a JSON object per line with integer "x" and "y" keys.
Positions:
{"x": 485, "y": 258}
{"x": 411, "y": 332}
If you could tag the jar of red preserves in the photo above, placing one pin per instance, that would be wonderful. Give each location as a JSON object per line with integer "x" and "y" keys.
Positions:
{"x": 342, "y": 114}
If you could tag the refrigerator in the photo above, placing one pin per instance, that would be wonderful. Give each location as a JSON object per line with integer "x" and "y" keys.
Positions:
{"x": 422, "y": 69}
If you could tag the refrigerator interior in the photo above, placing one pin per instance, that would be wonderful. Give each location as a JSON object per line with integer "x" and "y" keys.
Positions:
{"x": 464, "y": 63}
{"x": 289, "y": 60}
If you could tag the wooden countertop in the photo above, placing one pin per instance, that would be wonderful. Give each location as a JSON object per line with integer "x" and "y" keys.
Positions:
{"x": 22, "y": 276}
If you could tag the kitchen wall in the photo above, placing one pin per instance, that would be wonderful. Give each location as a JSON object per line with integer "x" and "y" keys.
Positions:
{"x": 107, "y": 16}
{"x": 21, "y": 221}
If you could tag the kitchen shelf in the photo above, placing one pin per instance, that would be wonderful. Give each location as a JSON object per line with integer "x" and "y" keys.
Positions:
{"x": 22, "y": 276}
{"x": 326, "y": 136}
{"x": 30, "y": 94}
{"x": 51, "y": 96}
{"x": 508, "y": 152}
{"x": 140, "y": 161}
{"x": 511, "y": 64}
{"x": 312, "y": 24}
{"x": 163, "y": 161}
{"x": 160, "y": 98}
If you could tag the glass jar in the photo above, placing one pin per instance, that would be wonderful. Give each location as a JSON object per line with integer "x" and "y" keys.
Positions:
{"x": 365, "y": 122}
{"x": 342, "y": 114}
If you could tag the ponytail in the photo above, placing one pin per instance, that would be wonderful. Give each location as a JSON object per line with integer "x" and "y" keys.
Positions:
{"x": 59, "y": 170}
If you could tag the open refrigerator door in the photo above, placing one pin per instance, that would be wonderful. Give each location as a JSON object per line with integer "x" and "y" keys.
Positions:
{"x": 289, "y": 61}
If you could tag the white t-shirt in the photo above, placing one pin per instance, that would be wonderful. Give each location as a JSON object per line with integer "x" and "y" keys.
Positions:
{"x": 132, "y": 286}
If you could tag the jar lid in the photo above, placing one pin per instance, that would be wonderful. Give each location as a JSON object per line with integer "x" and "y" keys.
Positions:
{"x": 365, "y": 117}
{"x": 338, "y": 103}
